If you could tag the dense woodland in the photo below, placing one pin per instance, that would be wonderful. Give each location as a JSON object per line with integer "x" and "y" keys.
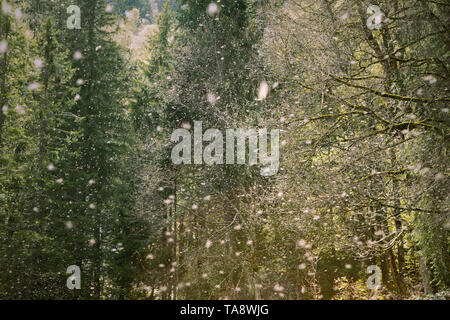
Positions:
{"x": 86, "y": 176}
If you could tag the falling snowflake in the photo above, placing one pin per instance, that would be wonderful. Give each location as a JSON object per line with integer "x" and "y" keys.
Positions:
{"x": 6, "y": 8}
{"x": 33, "y": 86}
{"x": 430, "y": 79}
{"x": 278, "y": 288}
{"x": 263, "y": 91}
{"x": 18, "y": 14}
{"x": 20, "y": 109}
{"x": 38, "y": 63}
{"x": 213, "y": 8}
{"x": 212, "y": 98}
{"x": 77, "y": 55}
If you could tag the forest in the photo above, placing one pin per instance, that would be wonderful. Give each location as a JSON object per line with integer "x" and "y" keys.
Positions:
{"x": 353, "y": 96}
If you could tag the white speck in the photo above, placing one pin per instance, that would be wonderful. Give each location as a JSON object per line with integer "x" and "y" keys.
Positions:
{"x": 60, "y": 180}
{"x": 208, "y": 244}
{"x": 109, "y": 8}
{"x": 91, "y": 206}
{"x": 212, "y": 98}
{"x": 249, "y": 242}
{"x": 194, "y": 207}
{"x": 92, "y": 242}
{"x": 20, "y": 109}
{"x": 430, "y": 79}
{"x": 69, "y": 225}
{"x": 80, "y": 82}
{"x": 38, "y": 63}
{"x": 77, "y": 55}
{"x": 5, "y": 110}
{"x": 91, "y": 182}
{"x": 348, "y": 266}
{"x": 33, "y": 86}
{"x": 237, "y": 227}
{"x": 18, "y": 14}
{"x": 6, "y": 8}
{"x": 278, "y": 288}
{"x": 186, "y": 125}
{"x": 207, "y": 198}
{"x": 50, "y": 167}
{"x": 263, "y": 91}
{"x": 36, "y": 209}
{"x": 98, "y": 48}
{"x": 344, "y": 16}
{"x": 302, "y": 266}
{"x": 205, "y": 275}
{"x": 212, "y": 9}
{"x": 77, "y": 97}
{"x": 150, "y": 256}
